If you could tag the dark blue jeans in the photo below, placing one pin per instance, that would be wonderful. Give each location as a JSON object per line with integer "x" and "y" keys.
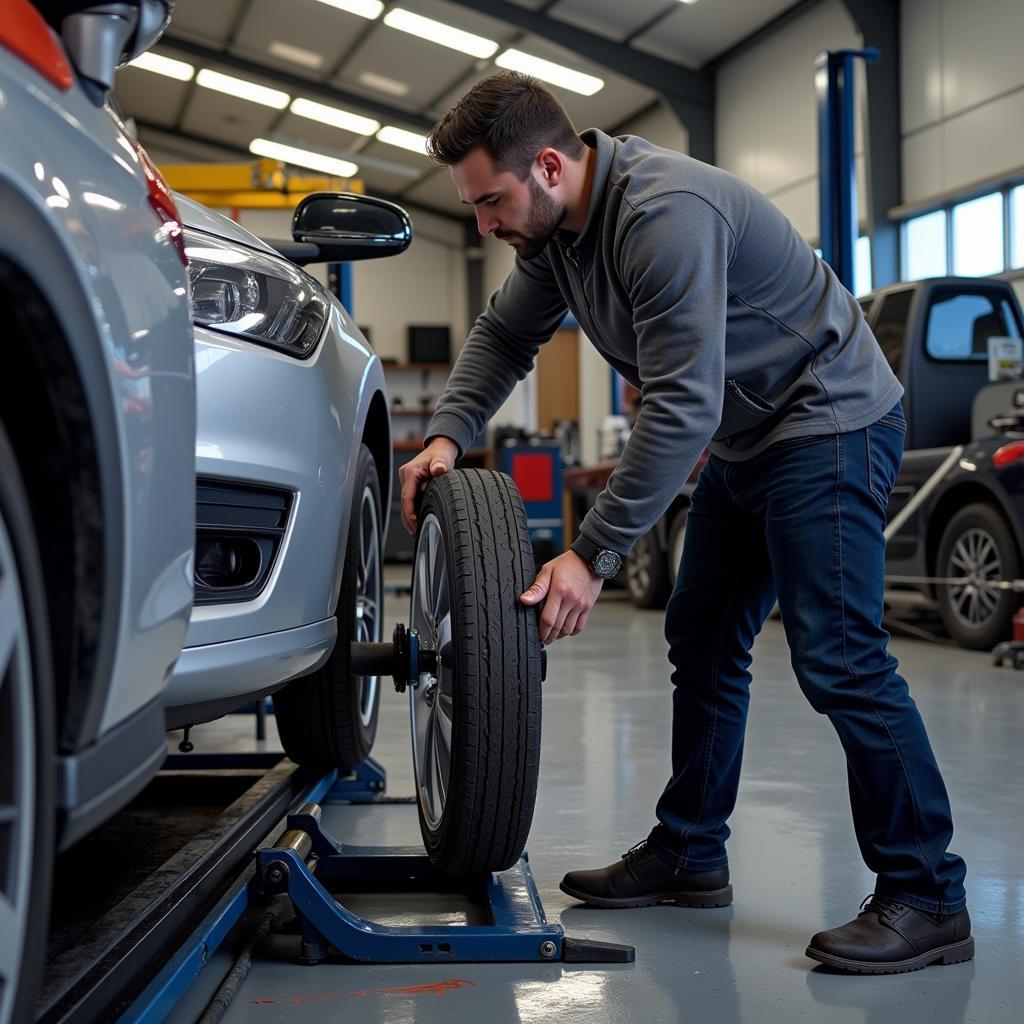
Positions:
{"x": 802, "y": 522}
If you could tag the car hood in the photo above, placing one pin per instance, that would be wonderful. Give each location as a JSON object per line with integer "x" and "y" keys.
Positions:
{"x": 194, "y": 215}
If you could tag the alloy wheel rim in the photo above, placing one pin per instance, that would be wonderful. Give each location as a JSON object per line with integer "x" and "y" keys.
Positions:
{"x": 975, "y": 558}
{"x": 431, "y": 697}
{"x": 369, "y": 597}
{"x": 638, "y": 568}
{"x": 17, "y": 774}
{"x": 677, "y": 553}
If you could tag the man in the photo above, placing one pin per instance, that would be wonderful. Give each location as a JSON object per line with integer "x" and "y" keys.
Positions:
{"x": 700, "y": 293}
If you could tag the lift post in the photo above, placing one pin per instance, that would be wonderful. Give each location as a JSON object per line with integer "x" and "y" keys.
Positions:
{"x": 518, "y": 930}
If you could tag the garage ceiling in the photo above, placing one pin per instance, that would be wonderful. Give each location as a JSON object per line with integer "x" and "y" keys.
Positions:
{"x": 316, "y": 50}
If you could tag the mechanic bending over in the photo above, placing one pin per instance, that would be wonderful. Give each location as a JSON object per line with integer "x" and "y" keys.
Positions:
{"x": 698, "y": 290}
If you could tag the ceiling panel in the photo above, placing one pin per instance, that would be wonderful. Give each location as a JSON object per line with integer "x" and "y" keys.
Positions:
{"x": 205, "y": 19}
{"x": 215, "y": 115}
{"x": 461, "y": 17}
{"x": 149, "y": 97}
{"x": 619, "y": 98}
{"x": 309, "y": 25}
{"x": 315, "y": 134}
{"x": 429, "y": 69}
{"x": 420, "y": 162}
{"x": 696, "y": 33}
{"x": 439, "y": 191}
{"x": 610, "y": 18}
{"x": 379, "y": 180}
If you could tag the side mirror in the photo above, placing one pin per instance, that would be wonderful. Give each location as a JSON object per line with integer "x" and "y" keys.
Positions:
{"x": 346, "y": 227}
{"x": 105, "y": 36}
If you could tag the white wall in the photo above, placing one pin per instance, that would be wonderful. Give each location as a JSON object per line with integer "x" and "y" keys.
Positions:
{"x": 766, "y": 115}
{"x": 661, "y": 127}
{"x": 520, "y": 408}
{"x": 962, "y": 93}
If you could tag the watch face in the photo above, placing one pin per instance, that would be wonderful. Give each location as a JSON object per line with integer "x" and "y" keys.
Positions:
{"x": 607, "y": 563}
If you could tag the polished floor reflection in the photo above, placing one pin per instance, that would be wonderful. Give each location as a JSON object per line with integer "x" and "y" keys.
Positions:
{"x": 794, "y": 860}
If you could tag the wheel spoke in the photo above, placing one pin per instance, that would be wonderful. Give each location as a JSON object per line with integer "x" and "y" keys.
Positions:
{"x": 442, "y": 761}
{"x": 11, "y": 931}
{"x": 958, "y": 560}
{"x": 10, "y": 621}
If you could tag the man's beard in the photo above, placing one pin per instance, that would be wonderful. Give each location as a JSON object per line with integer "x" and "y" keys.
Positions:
{"x": 544, "y": 218}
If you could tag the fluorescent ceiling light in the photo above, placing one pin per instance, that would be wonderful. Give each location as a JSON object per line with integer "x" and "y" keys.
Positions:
{"x": 382, "y": 83}
{"x": 548, "y": 71}
{"x": 334, "y": 117}
{"x": 364, "y": 8}
{"x": 242, "y": 89}
{"x": 179, "y": 69}
{"x": 295, "y": 54}
{"x": 303, "y": 158}
{"x": 400, "y": 137}
{"x": 689, "y": 3}
{"x": 438, "y": 32}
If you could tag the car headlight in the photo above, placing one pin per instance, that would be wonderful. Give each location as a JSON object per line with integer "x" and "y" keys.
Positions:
{"x": 253, "y": 295}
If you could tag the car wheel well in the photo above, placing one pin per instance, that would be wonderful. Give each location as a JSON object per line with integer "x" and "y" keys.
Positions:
{"x": 46, "y": 417}
{"x": 948, "y": 505}
{"x": 377, "y": 437}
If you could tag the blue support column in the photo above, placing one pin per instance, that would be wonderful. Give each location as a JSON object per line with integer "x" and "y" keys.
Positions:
{"x": 340, "y": 281}
{"x": 837, "y": 167}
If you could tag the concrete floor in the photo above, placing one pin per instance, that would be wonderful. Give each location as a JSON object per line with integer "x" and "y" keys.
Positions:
{"x": 794, "y": 860}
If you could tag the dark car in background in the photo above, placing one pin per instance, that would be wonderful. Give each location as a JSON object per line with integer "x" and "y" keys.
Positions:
{"x": 956, "y": 514}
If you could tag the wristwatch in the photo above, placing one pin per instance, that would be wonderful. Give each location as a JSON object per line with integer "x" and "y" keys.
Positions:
{"x": 603, "y": 563}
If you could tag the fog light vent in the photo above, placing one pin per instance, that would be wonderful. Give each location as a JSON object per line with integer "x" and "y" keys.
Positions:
{"x": 239, "y": 531}
{"x": 227, "y": 562}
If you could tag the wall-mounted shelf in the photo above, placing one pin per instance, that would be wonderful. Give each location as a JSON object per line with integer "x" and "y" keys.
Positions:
{"x": 413, "y": 411}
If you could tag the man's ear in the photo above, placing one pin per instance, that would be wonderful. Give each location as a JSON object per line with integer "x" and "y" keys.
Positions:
{"x": 552, "y": 165}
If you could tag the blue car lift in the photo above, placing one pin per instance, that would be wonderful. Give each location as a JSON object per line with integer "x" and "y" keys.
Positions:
{"x": 309, "y": 865}
{"x": 518, "y": 930}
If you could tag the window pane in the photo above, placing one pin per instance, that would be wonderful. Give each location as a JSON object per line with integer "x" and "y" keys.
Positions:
{"x": 890, "y": 325}
{"x": 978, "y": 236}
{"x": 959, "y": 327}
{"x": 924, "y": 246}
{"x": 862, "y": 266}
{"x": 1017, "y": 230}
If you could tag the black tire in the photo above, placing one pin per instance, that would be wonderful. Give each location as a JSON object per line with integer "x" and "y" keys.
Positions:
{"x": 473, "y": 556}
{"x": 26, "y": 699}
{"x": 647, "y": 573}
{"x": 976, "y": 616}
{"x": 676, "y": 537}
{"x": 329, "y": 719}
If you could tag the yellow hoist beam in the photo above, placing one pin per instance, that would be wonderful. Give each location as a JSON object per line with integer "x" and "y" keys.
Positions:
{"x": 255, "y": 185}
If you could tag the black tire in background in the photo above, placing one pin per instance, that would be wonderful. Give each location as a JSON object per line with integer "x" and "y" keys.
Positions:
{"x": 977, "y": 544}
{"x": 676, "y": 538}
{"x": 27, "y": 749}
{"x": 329, "y": 719}
{"x": 476, "y": 722}
{"x": 647, "y": 573}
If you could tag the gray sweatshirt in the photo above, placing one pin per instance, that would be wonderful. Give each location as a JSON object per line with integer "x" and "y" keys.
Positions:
{"x": 699, "y": 291}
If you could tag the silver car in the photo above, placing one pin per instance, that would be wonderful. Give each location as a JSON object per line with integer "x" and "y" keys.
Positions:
{"x": 293, "y": 465}
{"x": 97, "y": 428}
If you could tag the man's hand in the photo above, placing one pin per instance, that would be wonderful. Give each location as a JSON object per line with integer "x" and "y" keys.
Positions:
{"x": 437, "y": 458}
{"x": 569, "y": 590}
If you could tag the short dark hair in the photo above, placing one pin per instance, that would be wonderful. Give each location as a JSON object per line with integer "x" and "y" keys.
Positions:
{"x": 513, "y": 117}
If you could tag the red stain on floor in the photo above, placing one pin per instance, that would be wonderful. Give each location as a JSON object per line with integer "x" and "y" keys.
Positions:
{"x": 437, "y": 988}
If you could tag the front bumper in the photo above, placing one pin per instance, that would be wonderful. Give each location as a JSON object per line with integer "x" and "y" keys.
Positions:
{"x": 212, "y": 679}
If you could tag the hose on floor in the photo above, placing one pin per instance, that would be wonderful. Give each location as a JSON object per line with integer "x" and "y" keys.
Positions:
{"x": 229, "y": 987}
